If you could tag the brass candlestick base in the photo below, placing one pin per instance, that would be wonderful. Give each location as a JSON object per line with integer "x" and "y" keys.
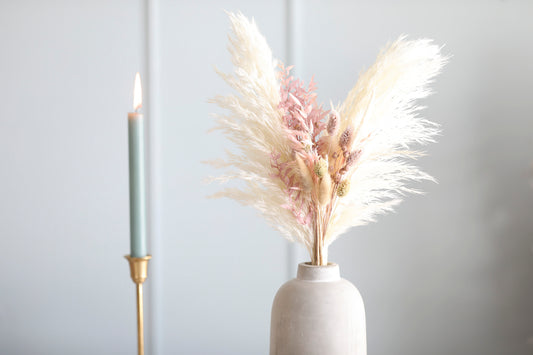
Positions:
{"x": 139, "y": 273}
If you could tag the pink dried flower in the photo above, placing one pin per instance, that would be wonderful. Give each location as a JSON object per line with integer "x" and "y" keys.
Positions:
{"x": 302, "y": 116}
{"x": 337, "y": 178}
{"x": 352, "y": 158}
{"x": 303, "y": 120}
{"x": 295, "y": 178}
{"x": 346, "y": 138}
{"x": 333, "y": 123}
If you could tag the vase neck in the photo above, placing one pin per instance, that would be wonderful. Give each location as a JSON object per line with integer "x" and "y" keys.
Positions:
{"x": 308, "y": 272}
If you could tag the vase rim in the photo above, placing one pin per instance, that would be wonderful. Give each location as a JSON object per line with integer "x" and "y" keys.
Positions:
{"x": 318, "y": 273}
{"x": 309, "y": 264}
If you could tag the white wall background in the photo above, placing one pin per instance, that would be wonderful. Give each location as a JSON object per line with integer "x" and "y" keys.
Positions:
{"x": 450, "y": 273}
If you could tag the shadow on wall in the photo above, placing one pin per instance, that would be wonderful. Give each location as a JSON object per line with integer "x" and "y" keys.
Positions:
{"x": 503, "y": 156}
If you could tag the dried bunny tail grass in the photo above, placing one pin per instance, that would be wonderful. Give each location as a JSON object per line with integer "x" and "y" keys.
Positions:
{"x": 305, "y": 175}
{"x": 346, "y": 138}
{"x": 321, "y": 168}
{"x": 253, "y": 123}
{"x": 386, "y": 123}
{"x": 333, "y": 123}
{"x": 343, "y": 188}
{"x": 324, "y": 192}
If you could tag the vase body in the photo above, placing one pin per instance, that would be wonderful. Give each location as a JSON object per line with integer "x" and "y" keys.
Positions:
{"x": 318, "y": 313}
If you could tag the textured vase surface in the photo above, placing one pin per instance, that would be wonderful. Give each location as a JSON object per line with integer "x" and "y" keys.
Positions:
{"x": 319, "y": 313}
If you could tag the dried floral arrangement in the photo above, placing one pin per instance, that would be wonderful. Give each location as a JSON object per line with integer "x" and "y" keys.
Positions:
{"x": 313, "y": 172}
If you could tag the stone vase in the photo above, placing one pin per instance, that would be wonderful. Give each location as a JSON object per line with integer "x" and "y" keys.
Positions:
{"x": 319, "y": 313}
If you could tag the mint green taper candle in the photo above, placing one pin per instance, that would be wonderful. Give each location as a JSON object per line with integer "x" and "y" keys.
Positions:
{"x": 136, "y": 165}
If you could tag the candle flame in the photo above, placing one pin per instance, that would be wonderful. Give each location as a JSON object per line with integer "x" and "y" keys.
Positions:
{"x": 137, "y": 93}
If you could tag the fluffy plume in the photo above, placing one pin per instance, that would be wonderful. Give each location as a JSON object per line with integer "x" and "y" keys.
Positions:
{"x": 254, "y": 124}
{"x": 382, "y": 108}
{"x": 314, "y": 173}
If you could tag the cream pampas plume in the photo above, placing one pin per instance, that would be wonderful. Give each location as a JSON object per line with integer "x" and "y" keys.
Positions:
{"x": 254, "y": 124}
{"x": 314, "y": 173}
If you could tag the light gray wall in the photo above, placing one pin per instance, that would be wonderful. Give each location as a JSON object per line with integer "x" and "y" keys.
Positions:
{"x": 449, "y": 273}
{"x": 66, "y": 72}
{"x": 221, "y": 264}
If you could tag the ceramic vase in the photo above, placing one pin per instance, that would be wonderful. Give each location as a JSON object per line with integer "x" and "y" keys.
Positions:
{"x": 319, "y": 313}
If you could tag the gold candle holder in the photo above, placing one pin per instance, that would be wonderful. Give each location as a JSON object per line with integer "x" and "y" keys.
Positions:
{"x": 139, "y": 273}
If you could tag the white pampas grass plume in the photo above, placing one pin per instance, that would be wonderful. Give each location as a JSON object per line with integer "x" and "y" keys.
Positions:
{"x": 382, "y": 107}
{"x": 254, "y": 125}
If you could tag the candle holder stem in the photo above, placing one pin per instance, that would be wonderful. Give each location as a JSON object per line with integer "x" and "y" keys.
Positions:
{"x": 139, "y": 273}
{"x": 140, "y": 319}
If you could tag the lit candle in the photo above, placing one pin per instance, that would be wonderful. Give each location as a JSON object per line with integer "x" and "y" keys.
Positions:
{"x": 136, "y": 165}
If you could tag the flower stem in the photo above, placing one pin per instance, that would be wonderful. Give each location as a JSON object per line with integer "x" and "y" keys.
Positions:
{"x": 318, "y": 257}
